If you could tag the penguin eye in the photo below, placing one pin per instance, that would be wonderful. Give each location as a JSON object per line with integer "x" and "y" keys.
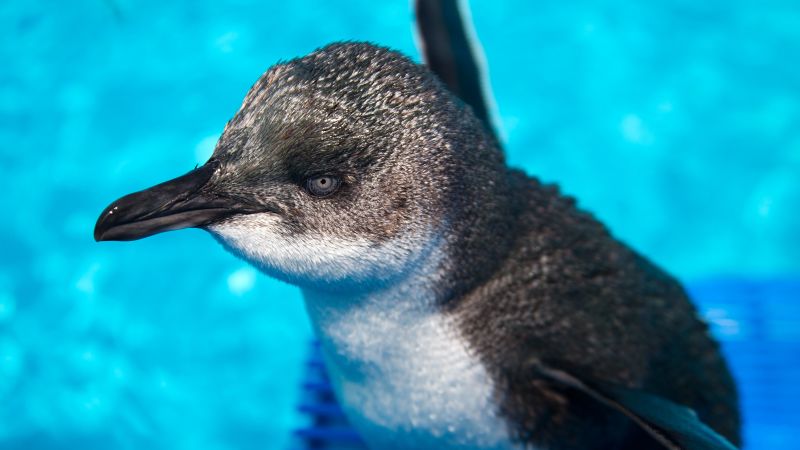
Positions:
{"x": 323, "y": 185}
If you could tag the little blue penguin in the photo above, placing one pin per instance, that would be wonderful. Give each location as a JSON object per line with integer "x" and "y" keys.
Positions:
{"x": 460, "y": 303}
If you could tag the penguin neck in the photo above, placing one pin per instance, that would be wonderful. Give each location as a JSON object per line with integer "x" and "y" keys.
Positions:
{"x": 369, "y": 338}
{"x": 401, "y": 299}
{"x": 359, "y": 330}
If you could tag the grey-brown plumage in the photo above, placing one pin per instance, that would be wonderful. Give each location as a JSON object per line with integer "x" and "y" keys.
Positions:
{"x": 568, "y": 295}
{"x": 574, "y": 330}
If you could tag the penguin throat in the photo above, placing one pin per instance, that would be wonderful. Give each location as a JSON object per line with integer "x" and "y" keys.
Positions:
{"x": 414, "y": 291}
{"x": 348, "y": 267}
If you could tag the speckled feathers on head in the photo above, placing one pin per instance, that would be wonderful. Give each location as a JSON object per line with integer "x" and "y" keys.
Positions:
{"x": 411, "y": 154}
{"x": 358, "y": 97}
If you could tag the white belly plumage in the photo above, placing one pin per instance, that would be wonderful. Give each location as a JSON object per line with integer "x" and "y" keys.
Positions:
{"x": 405, "y": 377}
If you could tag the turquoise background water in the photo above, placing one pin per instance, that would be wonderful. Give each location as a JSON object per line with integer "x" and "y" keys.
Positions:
{"x": 676, "y": 122}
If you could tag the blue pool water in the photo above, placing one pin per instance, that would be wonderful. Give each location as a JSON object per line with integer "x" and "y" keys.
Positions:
{"x": 677, "y": 122}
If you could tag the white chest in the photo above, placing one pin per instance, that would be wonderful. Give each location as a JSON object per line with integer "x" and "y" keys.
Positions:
{"x": 404, "y": 376}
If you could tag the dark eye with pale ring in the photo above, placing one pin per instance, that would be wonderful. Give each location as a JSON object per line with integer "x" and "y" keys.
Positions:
{"x": 323, "y": 185}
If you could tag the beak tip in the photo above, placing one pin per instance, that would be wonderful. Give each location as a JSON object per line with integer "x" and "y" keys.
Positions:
{"x": 100, "y": 228}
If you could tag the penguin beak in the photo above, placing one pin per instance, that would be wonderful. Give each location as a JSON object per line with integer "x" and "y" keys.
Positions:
{"x": 184, "y": 202}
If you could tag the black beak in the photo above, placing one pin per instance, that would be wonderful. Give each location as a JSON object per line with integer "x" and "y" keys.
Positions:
{"x": 183, "y": 202}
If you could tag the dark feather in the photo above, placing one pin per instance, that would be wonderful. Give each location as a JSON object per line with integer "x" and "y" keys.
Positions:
{"x": 673, "y": 426}
{"x": 449, "y": 54}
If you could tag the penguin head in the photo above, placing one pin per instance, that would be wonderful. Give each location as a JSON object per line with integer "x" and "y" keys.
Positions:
{"x": 342, "y": 168}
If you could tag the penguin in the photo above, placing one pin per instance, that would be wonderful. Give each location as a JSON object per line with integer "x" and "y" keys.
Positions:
{"x": 459, "y": 303}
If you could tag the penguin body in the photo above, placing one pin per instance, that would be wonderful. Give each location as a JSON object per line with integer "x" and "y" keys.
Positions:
{"x": 460, "y": 303}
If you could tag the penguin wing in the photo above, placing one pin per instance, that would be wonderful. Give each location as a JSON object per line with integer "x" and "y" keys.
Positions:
{"x": 446, "y": 43}
{"x": 674, "y": 426}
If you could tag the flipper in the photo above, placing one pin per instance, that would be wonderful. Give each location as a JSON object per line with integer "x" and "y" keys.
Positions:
{"x": 674, "y": 426}
{"x": 449, "y": 51}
